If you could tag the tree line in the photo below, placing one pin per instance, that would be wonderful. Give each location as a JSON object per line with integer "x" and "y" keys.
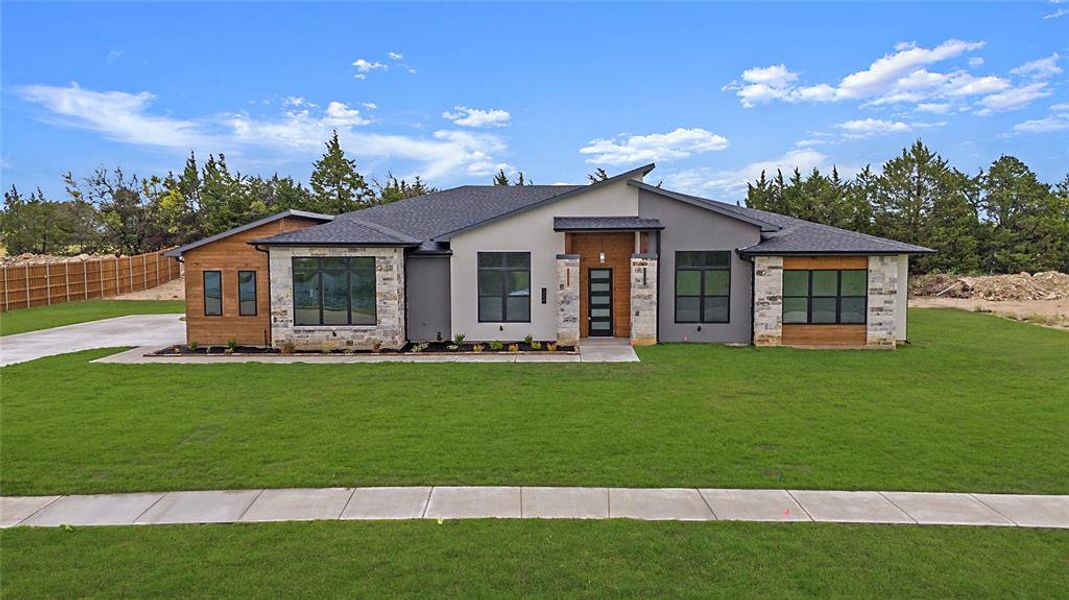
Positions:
{"x": 1002, "y": 220}
{"x": 110, "y": 211}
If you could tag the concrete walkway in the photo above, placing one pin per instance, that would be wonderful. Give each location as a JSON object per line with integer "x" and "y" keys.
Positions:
{"x": 136, "y": 330}
{"x": 588, "y": 353}
{"x": 671, "y": 504}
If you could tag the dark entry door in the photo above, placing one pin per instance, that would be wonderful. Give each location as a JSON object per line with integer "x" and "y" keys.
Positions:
{"x": 599, "y": 302}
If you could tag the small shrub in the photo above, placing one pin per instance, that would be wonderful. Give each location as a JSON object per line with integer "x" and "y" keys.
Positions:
{"x": 324, "y": 348}
{"x": 514, "y": 347}
{"x": 477, "y": 348}
{"x": 452, "y": 347}
{"x": 420, "y": 346}
{"x": 536, "y": 345}
{"x": 194, "y": 345}
{"x": 458, "y": 339}
{"x": 528, "y": 339}
{"x": 376, "y": 347}
{"x": 228, "y": 350}
{"x": 496, "y": 346}
{"x": 288, "y": 346}
{"x": 231, "y": 344}
{"x": 551, "y": 346}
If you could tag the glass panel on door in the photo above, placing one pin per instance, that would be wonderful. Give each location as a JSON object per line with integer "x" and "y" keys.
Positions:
{"x": 599, "y": 305}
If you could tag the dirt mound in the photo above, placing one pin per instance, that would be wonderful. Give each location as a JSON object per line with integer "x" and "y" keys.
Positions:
{"x": 40, "y": 259}
{"x": 1047, "y": 285}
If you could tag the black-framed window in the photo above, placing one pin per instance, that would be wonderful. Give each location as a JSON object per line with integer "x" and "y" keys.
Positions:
{"x": 334, "y": 290}
{"x": 825, "y": 297}
{"x": 213, "y": 293}
{"x": 703, "y": 286}
{"x": 504, "y": 287}
{"x": 247, "y": 293}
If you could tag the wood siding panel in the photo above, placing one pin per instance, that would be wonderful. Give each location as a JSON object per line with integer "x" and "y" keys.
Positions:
{"x": 825, "y": 262}
{"x": 230, "y": 255}
{"x": 824, "y": 335}
{"x": 618, "y": 248}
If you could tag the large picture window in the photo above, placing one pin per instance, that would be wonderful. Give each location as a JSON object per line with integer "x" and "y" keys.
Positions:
{"x": 703, "y": 286}
{"x": 247, "y": 293}
{"x": 504, "y": 287}
{"x": 334, "y": 290}
{"x": 825, "y": 296}
{"x": 213, "y": 293}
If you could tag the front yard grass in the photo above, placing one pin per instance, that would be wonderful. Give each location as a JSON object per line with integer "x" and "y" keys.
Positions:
{"x": 22, "y": 320}
{"x": 553, "y": 559}
{"x": 977, "y": 404}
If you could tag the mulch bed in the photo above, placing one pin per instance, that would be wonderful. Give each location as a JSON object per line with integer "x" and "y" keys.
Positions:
{"x": 410, "y": 348}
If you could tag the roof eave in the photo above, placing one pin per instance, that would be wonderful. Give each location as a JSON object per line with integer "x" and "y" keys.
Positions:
{"x": 643, "y": 170}
{"x": 179, "y": 251}
{"x": 749, "y": 252}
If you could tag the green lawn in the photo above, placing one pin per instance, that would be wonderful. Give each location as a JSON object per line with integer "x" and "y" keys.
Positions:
{"x": 42, "y": 317}
{"x": 471, "y": 559}
{"x": 977, "y": 403}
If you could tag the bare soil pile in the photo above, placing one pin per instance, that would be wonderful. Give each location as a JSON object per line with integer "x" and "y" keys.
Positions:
{"x": 40, "y": 259}
{"x": 1047, "y": 285}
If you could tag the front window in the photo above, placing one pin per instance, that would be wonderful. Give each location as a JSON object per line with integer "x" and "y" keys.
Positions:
{"x": 213, "y": 293}
{"x": 334, "y": 290}
{"x": 825, "y": 297}
{"x": 504, "y": 287}
{"x": 247, "y": 293}
{"x": 703, "y": 286}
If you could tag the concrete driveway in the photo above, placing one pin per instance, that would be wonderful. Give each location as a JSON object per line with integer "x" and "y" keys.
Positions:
{"x": 136, "y": 330}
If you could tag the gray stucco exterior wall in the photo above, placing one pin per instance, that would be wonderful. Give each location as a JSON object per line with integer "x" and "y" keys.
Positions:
{"x": 689, "y": 227}
{"x": 427, "y": 288}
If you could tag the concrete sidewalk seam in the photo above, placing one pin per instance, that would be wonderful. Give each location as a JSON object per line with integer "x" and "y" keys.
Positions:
{"x": 911, "y": 517}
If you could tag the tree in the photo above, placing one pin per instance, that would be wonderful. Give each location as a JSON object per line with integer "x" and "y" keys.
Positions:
{"x": 336, "y": 185}
{"x": 29, "y": 224}
{"x": 395, "y": 189}
{"x": 1028, "y": 220}
{"x": 599, "y": 174}
{"x": 502, "y": 179}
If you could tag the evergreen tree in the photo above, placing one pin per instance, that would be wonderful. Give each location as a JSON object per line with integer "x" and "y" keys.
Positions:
{"x": 500, "y": 178}
{"x": 398, "y": 189}
{"x": 599, "y": 174}
{"x": 336, "y": 185}
{"x": 1026, "y": 219}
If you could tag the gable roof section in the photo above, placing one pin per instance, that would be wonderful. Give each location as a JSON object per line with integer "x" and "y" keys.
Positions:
{"x": 781, "y": 234}
{"x": 341, "y": 231}
{"x": 177, "y": 252}
{"x": 606, "y": 224}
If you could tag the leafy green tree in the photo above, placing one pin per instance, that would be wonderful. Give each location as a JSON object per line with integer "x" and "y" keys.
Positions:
{"x": 398, "y": 189}
{"x": 29, "y": 224}
{"x": 1027, "y": 218}
{"x": 336, "y": 185}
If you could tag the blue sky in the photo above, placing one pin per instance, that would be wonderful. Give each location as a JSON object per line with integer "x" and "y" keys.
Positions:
{"x": 711, "y": 92}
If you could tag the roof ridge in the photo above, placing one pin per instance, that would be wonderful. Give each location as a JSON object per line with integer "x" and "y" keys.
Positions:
{"x": 384, "y": 229}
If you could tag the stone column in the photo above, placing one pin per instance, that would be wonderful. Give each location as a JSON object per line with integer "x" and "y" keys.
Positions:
{"x": 643, "y": 299}
{"x": 882, "y": 301}
{"x": 768, "y": 301}
{"x": 568, "y": 299}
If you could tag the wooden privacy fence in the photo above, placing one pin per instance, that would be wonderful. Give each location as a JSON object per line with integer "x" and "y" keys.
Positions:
{"x": 44, "y": 284}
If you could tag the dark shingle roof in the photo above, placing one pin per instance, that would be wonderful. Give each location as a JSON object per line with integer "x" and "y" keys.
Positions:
{"x": 787, "y": 235}
{"x": 342, "y": 231}
{"x": 605, "y": 223}
{"x": 177, "y": 252}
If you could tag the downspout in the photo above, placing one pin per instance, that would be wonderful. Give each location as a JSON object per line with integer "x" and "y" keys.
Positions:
{"x": 753, "y": 289}
{"x": 267, "y": 334}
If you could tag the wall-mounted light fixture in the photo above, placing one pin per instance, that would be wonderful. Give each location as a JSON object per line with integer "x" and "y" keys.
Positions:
{"x": 601, "y": 256}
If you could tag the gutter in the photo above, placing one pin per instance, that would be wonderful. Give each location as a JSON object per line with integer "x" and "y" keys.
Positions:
{"x": 753, "y": 289}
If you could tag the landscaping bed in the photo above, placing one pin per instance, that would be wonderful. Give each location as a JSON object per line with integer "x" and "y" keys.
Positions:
{"x": 532, "y": 346}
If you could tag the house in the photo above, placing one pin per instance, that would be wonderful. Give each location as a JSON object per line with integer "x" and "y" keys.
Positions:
{"x": 616, "y": 258}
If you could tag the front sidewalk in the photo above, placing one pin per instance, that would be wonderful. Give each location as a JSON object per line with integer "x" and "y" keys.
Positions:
{"x": 673, "y": 504}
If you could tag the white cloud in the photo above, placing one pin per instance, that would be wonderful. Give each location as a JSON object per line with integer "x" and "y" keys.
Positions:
{"x": 1013, "y": 98}
{"x": 680, "y": 143}
{"x": 395, "y": 55}
{"x": 363, "y": 67}
{"x": 1041, "y": 68}
{"x": 901, "y": 76}
{"x": 1058, "y": 13}
{"x": 296, "y": 101}
{"x": 119, "y": 116}
{"x": 938, "y": 108}
{"x": 369, "y": 105}
{"x": 866, "y": 128}
{"x": 976, "y": 61}
{"x": 732, "y": 183}
{"x": 474, "y": 117}
{"x": 1064, "y": 106}
{"x": 1045, "y": 125}
{"x": 115, "y": 55}
{"x": 296, "y": 133}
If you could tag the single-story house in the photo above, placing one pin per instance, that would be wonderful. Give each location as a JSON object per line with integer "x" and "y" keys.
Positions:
{"x": 616, "y": 258}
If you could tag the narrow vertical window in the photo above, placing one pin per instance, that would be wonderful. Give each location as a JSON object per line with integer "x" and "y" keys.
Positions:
{"x": 213, "y": 293}
{"x": 247, "y": 293}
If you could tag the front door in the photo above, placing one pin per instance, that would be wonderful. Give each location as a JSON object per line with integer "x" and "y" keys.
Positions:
{"x": 599, "y": 302}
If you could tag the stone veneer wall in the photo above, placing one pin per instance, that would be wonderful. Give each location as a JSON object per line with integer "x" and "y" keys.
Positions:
{"x": 643, "y": 299}
{"x": 882, "y": 302}
{"x": 768, "y": 301}
{"x": 568, "y": 299}
{"x": 389, "y": 332}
